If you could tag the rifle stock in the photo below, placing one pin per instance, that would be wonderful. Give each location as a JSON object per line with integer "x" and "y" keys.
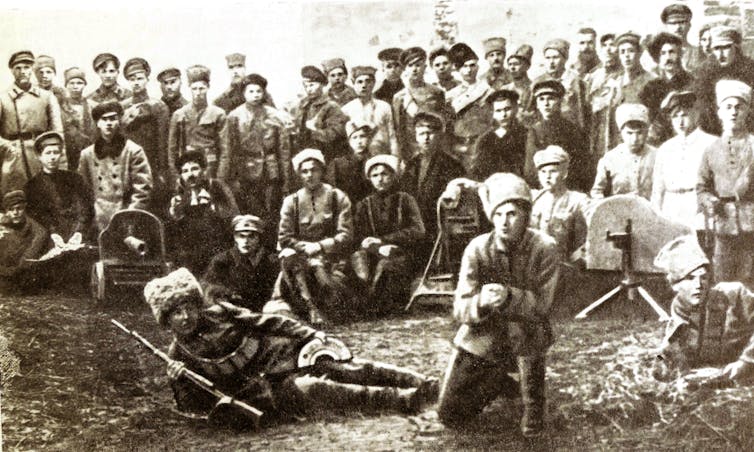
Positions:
{"x": 197, "y": 379}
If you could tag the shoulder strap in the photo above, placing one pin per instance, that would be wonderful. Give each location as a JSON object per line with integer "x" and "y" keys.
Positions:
{"x": 371, "y": 217}
{"x": 295, "y": 215}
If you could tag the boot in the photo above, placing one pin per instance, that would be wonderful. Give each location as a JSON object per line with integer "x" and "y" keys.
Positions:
{"x": 315, "y": 316}
{"x": 532, "y": 370}
{"x": 360, "y": 265}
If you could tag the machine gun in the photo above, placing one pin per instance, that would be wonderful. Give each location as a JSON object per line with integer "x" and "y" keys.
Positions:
{"x": 253, "y": 413}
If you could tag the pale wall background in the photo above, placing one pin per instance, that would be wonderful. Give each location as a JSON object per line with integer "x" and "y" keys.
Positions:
{"x": 281, "y": 36}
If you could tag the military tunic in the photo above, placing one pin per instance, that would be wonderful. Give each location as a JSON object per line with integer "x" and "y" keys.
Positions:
{"x": 574, "y": 105}
{"x": 174, "y": 104}
{"x": 379, "y": 114}
{"x": 245, "y": 279}
{"x": 620, "y": 171}
{"x": 406, "y": 104}
{"x": 342, "y": 97}
{"x": 561, "y": 217}
{"x": 347, "y": 174}
{"x": 233, "y": 98}
{"x": 472, "y": 117}
{"x": 388, "y": 89}
{"x": 523, "y": 87}
{"x": 498, "y": 80}
{"x": 79, "y": 129}
{"x": 145, "y": 121}
{"x": 114, "y": 94}
{"x": 329, "y": 122}
{"x": 495, "y": 154}
{"x": 18, "y": 243}
{"x": 562, "y": 132}
{"x": 199, "y": 129}
{"x": 447, "y": 84}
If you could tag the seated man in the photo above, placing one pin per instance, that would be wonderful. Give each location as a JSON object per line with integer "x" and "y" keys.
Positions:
{"x": 557, "y": 211}
{"x": 707, "y": 325}
{"x": 21, "y": 238}
{"x": 506, "y": 286}
{"x": 388, "y": 224}
{"x": 244, "y": 274}
{"x": 315, "y": 232}
{"x": 347, "y": 172}
{"x": 59, "y": 199}
{"x": 255, "y": 358}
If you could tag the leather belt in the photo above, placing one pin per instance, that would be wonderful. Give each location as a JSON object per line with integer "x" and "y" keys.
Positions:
{"x": 24, "y": 136}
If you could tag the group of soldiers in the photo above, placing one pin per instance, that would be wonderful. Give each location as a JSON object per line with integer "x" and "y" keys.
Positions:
{"x": 326, "y": 210}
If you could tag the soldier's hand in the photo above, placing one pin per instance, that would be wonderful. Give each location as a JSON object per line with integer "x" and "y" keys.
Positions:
{"x": 492, "y": 295}
{"x": 387, "y": 250}
{"x": 312, "y": 248}
{"x": 286, "y": 252}
{"x": 739, "y": 370}
{"x": 175, "y": 201}
{"x": 311, "y": 124}
{"x": 175, "y": 369}
{"x": 370, "y": 241}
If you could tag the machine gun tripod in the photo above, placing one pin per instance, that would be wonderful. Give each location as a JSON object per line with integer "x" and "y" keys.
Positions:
{"x": 630, "y": 284}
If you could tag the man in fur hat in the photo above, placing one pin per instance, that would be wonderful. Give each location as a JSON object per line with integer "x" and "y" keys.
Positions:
{"x": 506, "y": 287}
{"x": 336, "y": 72}
{"x": 256, "y": 359}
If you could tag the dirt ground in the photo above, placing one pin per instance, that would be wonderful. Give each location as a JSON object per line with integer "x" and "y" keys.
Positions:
{"x": 84, "y": 385}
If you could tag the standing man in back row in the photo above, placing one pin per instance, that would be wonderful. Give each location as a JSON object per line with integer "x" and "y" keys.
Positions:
{"x": 233, "y": 96}
{"x": 107, "y": 67}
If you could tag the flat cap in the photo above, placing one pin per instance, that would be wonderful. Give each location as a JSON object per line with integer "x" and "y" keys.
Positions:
{"x": 235, "y": 59}
{"x": 428, "y": 118}
{"x": 560, "y": 45}
{"x": 307, "y": 154}
{"x": 254, "y": 79}
{"x": 44, "y": 61}
{"x": 524, "y": 52}
{"x": 493, "y": 44}
{"x": 252, "y": 223}
{"x": 22, "y": 56}
{"x": 314, "y": 74}
{"x": 459, "y": 53}
{"x": 13, "y": 198}
{"x": 732, "y": 88}
{"x": 72, "y": 73}
{"x": 655, "y": 44}
{"x": 192, "y": 155}
{"x": 629, "y": 37}
{"x": 548, "y": 85}
{"x": 503, "y": 94}
{"x": 678, "y": 10}
{"x": 412, "y": 54}
{"x": 198, "y": 73}
{"x": 103, "y": 58}
{"x": 358, "y": 124}
{"x": 47, "y": 139}
{"x": 388, "y": 160}
{"x": 626, "y": 113}
{"x": 105, "y": 108}
{"x": 390, "y": 54}
{"x": 135, "y": 65}
{"x": 676, "y": 99}
{"x": 724, "y": 35}
{"x": 358, "y": 71}
{"x": 168, "y": 73}
{"x": 333, "y": 63}
{"x": 551, "y": 155}
{"x": 680, "y": 257}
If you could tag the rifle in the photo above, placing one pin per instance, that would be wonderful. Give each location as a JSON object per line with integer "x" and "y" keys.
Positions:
{"x": 194, "y": 377}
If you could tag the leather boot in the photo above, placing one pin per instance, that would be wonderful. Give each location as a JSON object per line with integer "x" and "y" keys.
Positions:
{"x": 532, "y": 370}
{"x": 360, "y": 264}
{"x": 315, "y": 316}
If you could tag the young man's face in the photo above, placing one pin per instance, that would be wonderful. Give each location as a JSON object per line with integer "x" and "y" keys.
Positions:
{"x": 496, "y": 60}
{"x": 45, "y": 77}
{"x": 416, "y": 70}
{"x": 312, "y": 88}
{"x": 381, "y": 178}
{"x": 359, "y": 141}
{"x": 725, "y": 54}
{"x": 441, "y": 66}
{"x": 363, "y": 85}
{"x": 469, "y": 71}
{"x": 670, "y": 57}
{"x": 310, "y": 173}
{"x": 504, "y": 112}
{"x": 253, "y": 94}
{"x": 237, "y": 72}
{"x": 425, "y": 137}
{"x": 586, "y": 43}
{"x": 554, "y": 62}
{"x": 634, "y": 135}
{"x": 705, "y": 42}
{"x": 392, "y": 69}
{"x": 732, "y": 113}
{"x": 510, "y": 221}
{"x": 629, "y": 56}
{"x": 683, "y": 120}
{"x": 552, "y": 176}
{"x": 108, "y": 125}
{"x": 17, "y": 214}
{"x": 138, "y": 82}
{"x": 337, "y": 78}
{"x": 517, "y": 67}
{"x": 108, "y": 74}
{"x": 693, "y": 288}
{"x": 548, "y": 105}
{"x": 199, "y": 92}
{"x": 75, "y": 87}
{"x": 609, "y": 50}
{"x": 247, "y": 242}
{"x": 191, "y": 174}
{"x": 184, "y": 319}
{"x": 171, "y": 87}
{"x": 679, "y": 27}
{"x": 22, "y": 73}
{"x": 50, "y": 157}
